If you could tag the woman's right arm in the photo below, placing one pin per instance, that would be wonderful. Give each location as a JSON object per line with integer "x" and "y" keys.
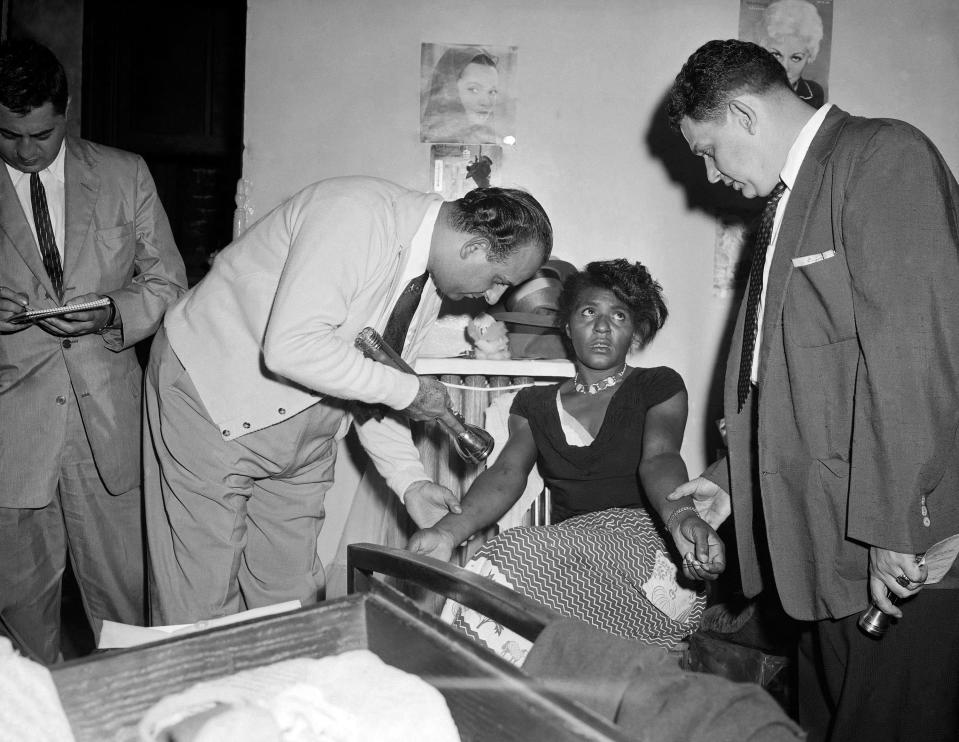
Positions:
{"x": 490, "y": 496}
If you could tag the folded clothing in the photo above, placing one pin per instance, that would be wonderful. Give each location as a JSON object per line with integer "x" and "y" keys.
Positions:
{"x": 635, "y": 686}
{"x": 349, "y": 697}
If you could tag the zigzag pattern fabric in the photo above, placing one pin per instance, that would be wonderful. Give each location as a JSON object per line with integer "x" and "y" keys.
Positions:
{"x": 45, "y": 238}
{"x": 610, "y": 568}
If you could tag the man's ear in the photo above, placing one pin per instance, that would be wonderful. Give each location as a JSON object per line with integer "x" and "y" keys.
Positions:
{"x": 566, "y": 330}
{"x": 743, "y": 115}
{"x": 474, "y": 244}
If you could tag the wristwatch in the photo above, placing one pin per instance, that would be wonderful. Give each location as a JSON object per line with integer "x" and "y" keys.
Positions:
{"x": 111, "y": 319}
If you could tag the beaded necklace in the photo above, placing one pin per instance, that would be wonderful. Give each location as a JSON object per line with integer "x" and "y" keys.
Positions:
{"x": 595, "y": 388}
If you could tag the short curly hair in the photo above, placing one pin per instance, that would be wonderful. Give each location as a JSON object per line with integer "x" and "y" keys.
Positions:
{"x": 30, "y": 77}
{"x": 631, "y": 283}
{"x": 718, "y": 71}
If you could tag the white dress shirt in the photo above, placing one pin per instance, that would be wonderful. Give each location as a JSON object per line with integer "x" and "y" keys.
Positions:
{"x": 794, "y": 160}
{"x": 53, "y": 183}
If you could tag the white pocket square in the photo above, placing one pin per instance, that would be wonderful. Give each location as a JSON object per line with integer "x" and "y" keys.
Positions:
{"x": 805, "y": 260}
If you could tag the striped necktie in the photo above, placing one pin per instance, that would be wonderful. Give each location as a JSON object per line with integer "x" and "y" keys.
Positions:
{"x": 45, "y": 238}
{"x": 751, "y": 324}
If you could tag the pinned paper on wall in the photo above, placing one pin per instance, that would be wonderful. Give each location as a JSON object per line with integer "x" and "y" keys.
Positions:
{"x": 458, "y": 168}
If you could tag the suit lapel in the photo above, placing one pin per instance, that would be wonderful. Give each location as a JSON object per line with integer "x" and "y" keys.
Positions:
{"x": 802, "y": 199}
{"x": 14, "y": 224}
{"x": 82, "y": 186}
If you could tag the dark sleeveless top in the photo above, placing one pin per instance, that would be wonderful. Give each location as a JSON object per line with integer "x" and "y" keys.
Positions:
{"x": 603, "y": 475}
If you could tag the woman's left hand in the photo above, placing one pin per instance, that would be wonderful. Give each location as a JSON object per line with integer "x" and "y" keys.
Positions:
{"x": 703, "y": 551}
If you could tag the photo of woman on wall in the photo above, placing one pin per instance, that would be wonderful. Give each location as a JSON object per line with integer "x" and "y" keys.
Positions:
{"x": 796, "y": 32}
{"x": 464, "y": 94}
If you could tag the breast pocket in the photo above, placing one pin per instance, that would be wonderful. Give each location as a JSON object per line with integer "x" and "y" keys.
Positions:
{"x": 115, "y": 237}
{"x": 818, "y": 309}
{"x": 116, "y": 246}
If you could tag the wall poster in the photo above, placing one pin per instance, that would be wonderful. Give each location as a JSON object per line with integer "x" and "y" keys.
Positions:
{"x": 466, "y": 94}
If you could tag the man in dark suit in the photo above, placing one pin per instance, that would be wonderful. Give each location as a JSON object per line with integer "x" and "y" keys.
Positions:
{"x": 843, "y": 463}
{"x": 78, "y": 222}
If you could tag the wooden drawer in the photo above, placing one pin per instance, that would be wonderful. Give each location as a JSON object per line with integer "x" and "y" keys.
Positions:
{"x": 105, "y": 696}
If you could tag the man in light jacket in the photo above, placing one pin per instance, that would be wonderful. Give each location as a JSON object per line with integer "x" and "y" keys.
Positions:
{"x": 251, "y": 379}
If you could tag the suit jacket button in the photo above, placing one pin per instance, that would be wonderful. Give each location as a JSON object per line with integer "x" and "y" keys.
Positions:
{"x": 226, "y": 433}
{"x": 66, "y": 343}
{"x": 246, "y": 426}
{"x": 282, "y": 410}
{"x": 61, "y": 399}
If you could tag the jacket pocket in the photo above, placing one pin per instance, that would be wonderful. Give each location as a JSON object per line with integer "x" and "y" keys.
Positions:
{"x": 116, "y": 250}
{"x": 116, "y": 237}
{"x": 818, "y": 308}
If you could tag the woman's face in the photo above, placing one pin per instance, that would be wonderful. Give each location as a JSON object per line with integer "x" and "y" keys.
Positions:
{"x": 477, "y": 87}
{"x": 601, "y": 329}
{"x": 791, "y": 52}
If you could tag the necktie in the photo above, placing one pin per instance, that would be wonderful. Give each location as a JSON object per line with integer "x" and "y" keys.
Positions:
{"x": 750, "y": 326}
{"x": 394, "y": 335}
{"x": 48, "y": 245}
{"x": 402, "y": 315}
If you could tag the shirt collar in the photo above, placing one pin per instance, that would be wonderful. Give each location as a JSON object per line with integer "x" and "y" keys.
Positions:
{"x": 420, "y": 244}
{"x": 55, "y": 168}
{"x": 797, "y": 153}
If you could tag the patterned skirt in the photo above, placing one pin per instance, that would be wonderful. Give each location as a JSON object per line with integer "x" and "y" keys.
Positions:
{"x": 611, "y": 569}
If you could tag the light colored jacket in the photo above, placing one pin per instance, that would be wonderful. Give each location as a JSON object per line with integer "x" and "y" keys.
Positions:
{"x": 118, "y": 243}
{"x": 270, "y": 330}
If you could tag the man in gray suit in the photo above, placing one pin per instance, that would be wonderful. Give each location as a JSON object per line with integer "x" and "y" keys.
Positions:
{"x": 842, "y": 390}
{"x": 78, "y": 222}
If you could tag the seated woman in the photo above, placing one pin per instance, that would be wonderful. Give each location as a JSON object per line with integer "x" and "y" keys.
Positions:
{"x": 607, "y": 443}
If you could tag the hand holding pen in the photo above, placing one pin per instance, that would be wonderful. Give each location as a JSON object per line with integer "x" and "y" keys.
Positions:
{"x": 11, "y": 303}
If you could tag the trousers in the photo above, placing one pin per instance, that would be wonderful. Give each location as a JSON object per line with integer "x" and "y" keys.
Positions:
{"x": 102, "y": 534}
{"x": 903, "y": 687}
{"x": 231, "y": 525}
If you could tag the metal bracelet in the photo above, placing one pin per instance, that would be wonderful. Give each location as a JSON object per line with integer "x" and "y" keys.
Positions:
{"x": 682, "y": 509}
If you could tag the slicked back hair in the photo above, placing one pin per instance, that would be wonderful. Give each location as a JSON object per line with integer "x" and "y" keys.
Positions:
{"x": 507, "y": 217}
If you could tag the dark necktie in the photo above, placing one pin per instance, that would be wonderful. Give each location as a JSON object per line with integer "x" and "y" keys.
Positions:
{"x": 402, "y": 315}
{"x": 45, "y": 238}
{"x": 394, "y": 335}
{"x": 750, "y": 325}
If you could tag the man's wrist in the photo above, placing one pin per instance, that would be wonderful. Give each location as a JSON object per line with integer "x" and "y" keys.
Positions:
{"x": 410, "y": 487}
{"x": 110, "y": 324}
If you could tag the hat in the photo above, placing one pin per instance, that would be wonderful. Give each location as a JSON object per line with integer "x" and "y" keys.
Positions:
{"x": 530, "y": 312}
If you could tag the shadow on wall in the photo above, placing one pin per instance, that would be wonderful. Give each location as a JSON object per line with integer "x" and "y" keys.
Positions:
{"x": 688, "y": 171}
{"x": 719, "y": 202}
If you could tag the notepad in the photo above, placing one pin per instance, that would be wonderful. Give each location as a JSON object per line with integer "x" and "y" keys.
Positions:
{"x": 32, "y": 315}
{"x": 114, "y": 635}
